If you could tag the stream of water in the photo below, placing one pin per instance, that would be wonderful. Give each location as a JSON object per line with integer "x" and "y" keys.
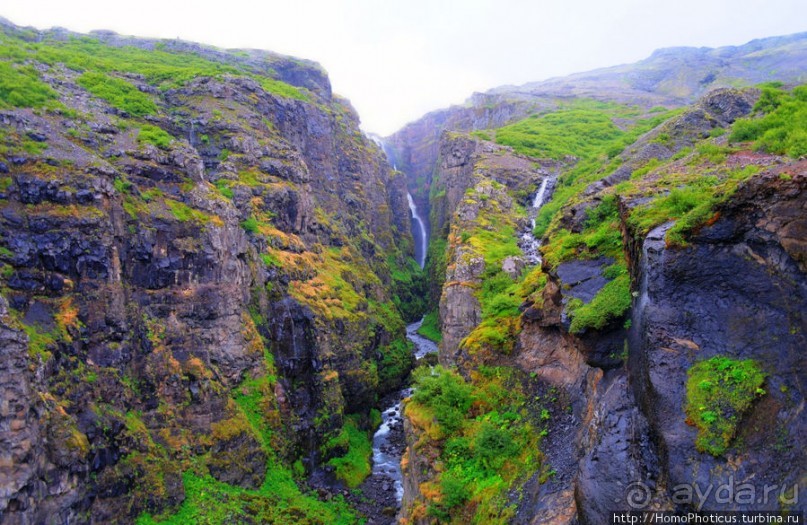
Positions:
{"x": 387, "y": 447}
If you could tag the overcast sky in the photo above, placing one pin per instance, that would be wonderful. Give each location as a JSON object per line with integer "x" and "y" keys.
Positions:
{"x": 397, "y": 59}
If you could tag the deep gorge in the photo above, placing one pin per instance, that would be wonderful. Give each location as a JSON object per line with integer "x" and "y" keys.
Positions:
{"x": 222, "y": 302}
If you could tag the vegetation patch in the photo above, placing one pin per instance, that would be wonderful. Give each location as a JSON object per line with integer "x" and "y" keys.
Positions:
{"x": 276, "y": 87}
{"x": 408, "y": 286}
{"x": 783, "y": 127}
{"x": 354, "y": 466}
{"x": 430, "y": 329}
{"x": 487, "y": 443}
{"x": 40, "y": 342}
{"x": 691, "y": 204}
{"x": 278, "y": 500}
{"x": 583, "y": 128}
{"x": 184, "y": 213}
{"x": 719, "y": 391}
{"x": 21, "y": 87}
{"x": 395, "y": 362}
{"x": 610, "y": 304}
{"x": 154, "y": 135}
{"x": 118, "y": 92}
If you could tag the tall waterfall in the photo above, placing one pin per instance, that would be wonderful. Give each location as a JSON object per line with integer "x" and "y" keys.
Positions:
{"x": 420, "y": 247}
{"x": 419, "y": 233}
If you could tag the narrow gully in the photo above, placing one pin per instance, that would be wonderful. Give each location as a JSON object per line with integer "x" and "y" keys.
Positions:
{"x": 388, "y": 442}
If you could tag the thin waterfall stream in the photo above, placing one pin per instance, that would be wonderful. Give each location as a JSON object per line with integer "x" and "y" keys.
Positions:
{"x": 421, "y": 240}
{"x": 527, "y": 241}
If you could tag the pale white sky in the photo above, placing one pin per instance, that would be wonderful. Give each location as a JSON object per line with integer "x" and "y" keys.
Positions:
{"x": 397, "y": 59}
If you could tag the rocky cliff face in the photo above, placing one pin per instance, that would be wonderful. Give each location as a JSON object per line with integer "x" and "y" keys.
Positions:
{"x": 716, "y": 300}
{"x": 196, "y": 272}
{"x": 738, "y": 290}
{"x": 474, "y": 184}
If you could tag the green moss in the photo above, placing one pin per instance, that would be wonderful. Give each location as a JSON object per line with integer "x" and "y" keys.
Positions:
{"x": 481, "y": 135}
{"x": 40, "y": 342}
{"x": 121, "y": 186}
{"x": 719, "y": 391}
{"x": 394, "y": 364}
{"x": 610, "y": 304}
{"x": 446, "y": 394}
{"x": 276, "y": 87}
{"x": 33, "y": 147}
{"x": 154, "y": 135}
{"x": 133, "y": 206}
{"x": 278, "y": 500}
{"x": 254, "y": 397}
{"x": 711, "y": 152}
{"x": 223, "y": 185}
{"x": 250, "y": 225}
{"x": 159, "y": 67}
{"x": 354, "y": 466}
{"x": 583, "y": 128}
{"x": 691, "y": 205}
{"x": 183, "y": 213}
{"x": 600, "y": 236}
{"x": 487, "y": 446}
{"x": 119, "y": 93}
{"x": 270, "y": 260}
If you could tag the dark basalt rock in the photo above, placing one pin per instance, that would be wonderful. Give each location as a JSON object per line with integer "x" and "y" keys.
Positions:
{"x": 582, "y": 279}
{"x": 618, "y": 456}
{"x": 737, "y": 290}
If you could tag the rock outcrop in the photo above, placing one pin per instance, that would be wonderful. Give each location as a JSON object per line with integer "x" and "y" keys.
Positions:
{"x": 737, "y": 290}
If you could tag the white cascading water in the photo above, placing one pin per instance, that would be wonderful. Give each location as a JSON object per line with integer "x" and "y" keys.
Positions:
{"x": 529, "y": 244}
{"x": 538, "y": 200}
{"x": 421, "y": 254}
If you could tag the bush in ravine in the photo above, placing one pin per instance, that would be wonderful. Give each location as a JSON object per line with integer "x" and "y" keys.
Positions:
{"x": 446, "y": 393}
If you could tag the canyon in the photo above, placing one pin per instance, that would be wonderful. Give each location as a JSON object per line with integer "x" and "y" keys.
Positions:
{"x": 222, "y": 302}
